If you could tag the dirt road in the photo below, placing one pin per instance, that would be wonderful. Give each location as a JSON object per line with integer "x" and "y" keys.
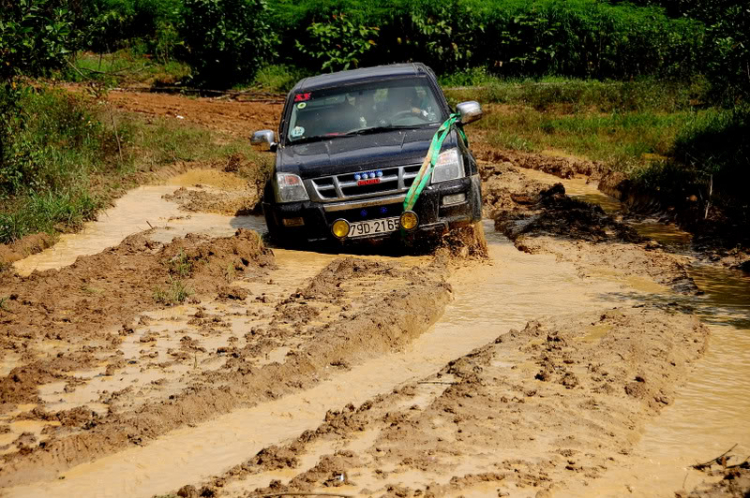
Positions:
{"x": 165, "y": 349}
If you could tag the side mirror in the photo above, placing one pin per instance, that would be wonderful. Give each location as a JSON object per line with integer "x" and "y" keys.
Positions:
{"x": 264, "y": 136}
{"x": 469, "y": 111}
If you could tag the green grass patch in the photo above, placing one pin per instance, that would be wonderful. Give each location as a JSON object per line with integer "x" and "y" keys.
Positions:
{"x": 176, "y": 293}
{"x": 125, "y": 67}
{"x": 577, "y": 95}
{"x": 61, "y": 161}
{"x": 625, "y": 141}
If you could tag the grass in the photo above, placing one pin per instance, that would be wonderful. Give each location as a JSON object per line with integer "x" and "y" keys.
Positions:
{"x": 125, "y": 67}
{"x": 176, "y": 293}
{"x": 624, "y": 141}
{"x": 576, "y": 95}
{"x": 62, "y": 163}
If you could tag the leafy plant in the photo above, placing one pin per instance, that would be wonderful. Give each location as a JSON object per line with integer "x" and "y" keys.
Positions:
{"x": 35, "y": 36}
{"x": 227, "y": 41}
{"x": 338, "y": 43}
{"x": 176, "y": 293}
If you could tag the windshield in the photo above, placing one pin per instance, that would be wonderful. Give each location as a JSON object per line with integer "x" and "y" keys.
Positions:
{"x": 348, "y": 110}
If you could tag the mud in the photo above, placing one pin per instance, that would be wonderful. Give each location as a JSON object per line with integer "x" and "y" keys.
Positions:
{"x": 323, "y": 324}
{"x": 553, "y": 371}
{"x": 28, "y": 245}
{"x": 540, "y": 219}
{"x": 560, "y": 400}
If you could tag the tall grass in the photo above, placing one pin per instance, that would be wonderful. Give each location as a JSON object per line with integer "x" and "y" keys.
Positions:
{"x": 575, "y": 95}
{"x": 62, "y": 161}
{"x": 625, "y": 141}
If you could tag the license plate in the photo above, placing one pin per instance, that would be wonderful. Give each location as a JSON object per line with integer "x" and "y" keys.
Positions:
{"x": 373, "y": 227}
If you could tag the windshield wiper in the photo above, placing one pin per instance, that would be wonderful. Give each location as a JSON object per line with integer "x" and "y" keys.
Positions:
{"x": 378, "y": 129}
{"x": 362, "y": 131}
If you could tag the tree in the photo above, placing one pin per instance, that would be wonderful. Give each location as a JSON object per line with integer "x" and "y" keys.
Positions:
{"x": 226, "y": 40}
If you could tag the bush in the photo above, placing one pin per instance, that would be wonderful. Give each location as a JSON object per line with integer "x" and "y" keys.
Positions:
{"x": 339, "y": 43}
{"x": 227, "y": 40}
{"x": 35, "y": 35}
{"x": 717, "y": 145}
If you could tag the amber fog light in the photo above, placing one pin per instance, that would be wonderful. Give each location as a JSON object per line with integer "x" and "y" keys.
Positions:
{"x": 340, "y": 228}
{"x": 409, "y": 220}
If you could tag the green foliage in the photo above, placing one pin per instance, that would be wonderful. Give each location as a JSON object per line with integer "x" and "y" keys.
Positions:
{"x": 227, "y": 41}
{"x": 582, "y": 95}
{"x": 150, "y": 25}
{"x": 35, "y": 36}
{"x": 578, "y": 38}
{"x": 338, "y": 43}
{"x": 62, "y": 162}
{"x": 716, "y": 144}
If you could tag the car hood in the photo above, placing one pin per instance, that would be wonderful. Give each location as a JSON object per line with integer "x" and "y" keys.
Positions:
{"x": 358, "y": 152}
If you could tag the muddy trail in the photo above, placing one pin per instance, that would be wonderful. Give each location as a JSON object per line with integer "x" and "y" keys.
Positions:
{"x": 166, "y": 349}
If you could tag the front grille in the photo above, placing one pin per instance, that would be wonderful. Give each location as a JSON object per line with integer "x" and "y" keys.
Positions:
{"x": 344, "y": 187}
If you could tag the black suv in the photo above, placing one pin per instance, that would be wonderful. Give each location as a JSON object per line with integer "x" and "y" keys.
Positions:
{"x": 350, "y": 146}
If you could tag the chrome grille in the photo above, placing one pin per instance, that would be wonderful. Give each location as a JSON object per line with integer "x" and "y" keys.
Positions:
{"x": 344, "y": 187}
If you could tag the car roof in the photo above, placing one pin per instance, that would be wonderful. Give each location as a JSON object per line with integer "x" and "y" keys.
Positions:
{"x": 361, "y": 75}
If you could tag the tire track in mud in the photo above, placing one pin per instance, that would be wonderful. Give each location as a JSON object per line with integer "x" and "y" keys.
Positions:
{"x": 559, "y": 400}
{"x": 329, "y": 324}
{"x": 302, "y": 341}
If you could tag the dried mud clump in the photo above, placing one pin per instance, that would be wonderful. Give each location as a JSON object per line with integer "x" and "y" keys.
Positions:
{"x": 221, "y": 202}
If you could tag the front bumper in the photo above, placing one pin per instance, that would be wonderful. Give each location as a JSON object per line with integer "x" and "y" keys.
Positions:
{"x": 434, "y": 218}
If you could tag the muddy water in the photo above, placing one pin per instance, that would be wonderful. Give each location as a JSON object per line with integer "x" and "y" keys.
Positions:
{"x": 710, "y": 413}
{"x": 708, "y": 416}
{"x": 489, "y": 300}
{"x": 140, "y": 209}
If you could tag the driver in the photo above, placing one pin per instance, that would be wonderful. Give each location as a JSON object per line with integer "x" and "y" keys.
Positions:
{"x": 402, "y": 99}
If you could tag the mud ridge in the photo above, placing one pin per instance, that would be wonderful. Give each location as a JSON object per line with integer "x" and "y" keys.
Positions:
{"x": 559, "y": 401}
{"x": 326, "y": 321}
{"x": 546, "y": 220}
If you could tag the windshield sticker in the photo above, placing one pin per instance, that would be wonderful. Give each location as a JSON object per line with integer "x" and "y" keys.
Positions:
{"x": 301, "y": 105}
{"x": 297, "y": 132}
{"x": 302, "y": 97}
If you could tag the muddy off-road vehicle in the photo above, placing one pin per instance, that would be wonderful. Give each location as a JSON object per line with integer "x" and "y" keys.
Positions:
{"x": 350, "y": 146}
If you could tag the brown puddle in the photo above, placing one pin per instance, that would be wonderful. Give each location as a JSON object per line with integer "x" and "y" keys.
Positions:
{"x": 709, "y": 415}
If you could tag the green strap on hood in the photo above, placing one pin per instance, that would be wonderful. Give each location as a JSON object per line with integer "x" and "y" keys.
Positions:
{"x": 425, "y": 172}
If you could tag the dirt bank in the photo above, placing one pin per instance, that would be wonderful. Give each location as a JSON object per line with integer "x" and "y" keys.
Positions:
{"x": 559, "y": 401}
{"x": 540, "y": 219}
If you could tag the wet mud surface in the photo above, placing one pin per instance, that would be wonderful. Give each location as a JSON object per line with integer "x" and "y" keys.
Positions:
{"x": 166, "y": 349}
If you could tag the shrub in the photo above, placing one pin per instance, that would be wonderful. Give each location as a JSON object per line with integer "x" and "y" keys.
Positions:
{"x": 716, "y": 144}
{"x": 339, "y": 43}
{"x": 227, "y": 40}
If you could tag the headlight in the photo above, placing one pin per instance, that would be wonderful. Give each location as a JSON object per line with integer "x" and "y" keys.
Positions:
{"x": 449, "y": 166}
{"x": 289, "y": 188}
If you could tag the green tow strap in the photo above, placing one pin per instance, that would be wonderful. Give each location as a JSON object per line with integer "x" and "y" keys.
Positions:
{"x": 425, "y": 172}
